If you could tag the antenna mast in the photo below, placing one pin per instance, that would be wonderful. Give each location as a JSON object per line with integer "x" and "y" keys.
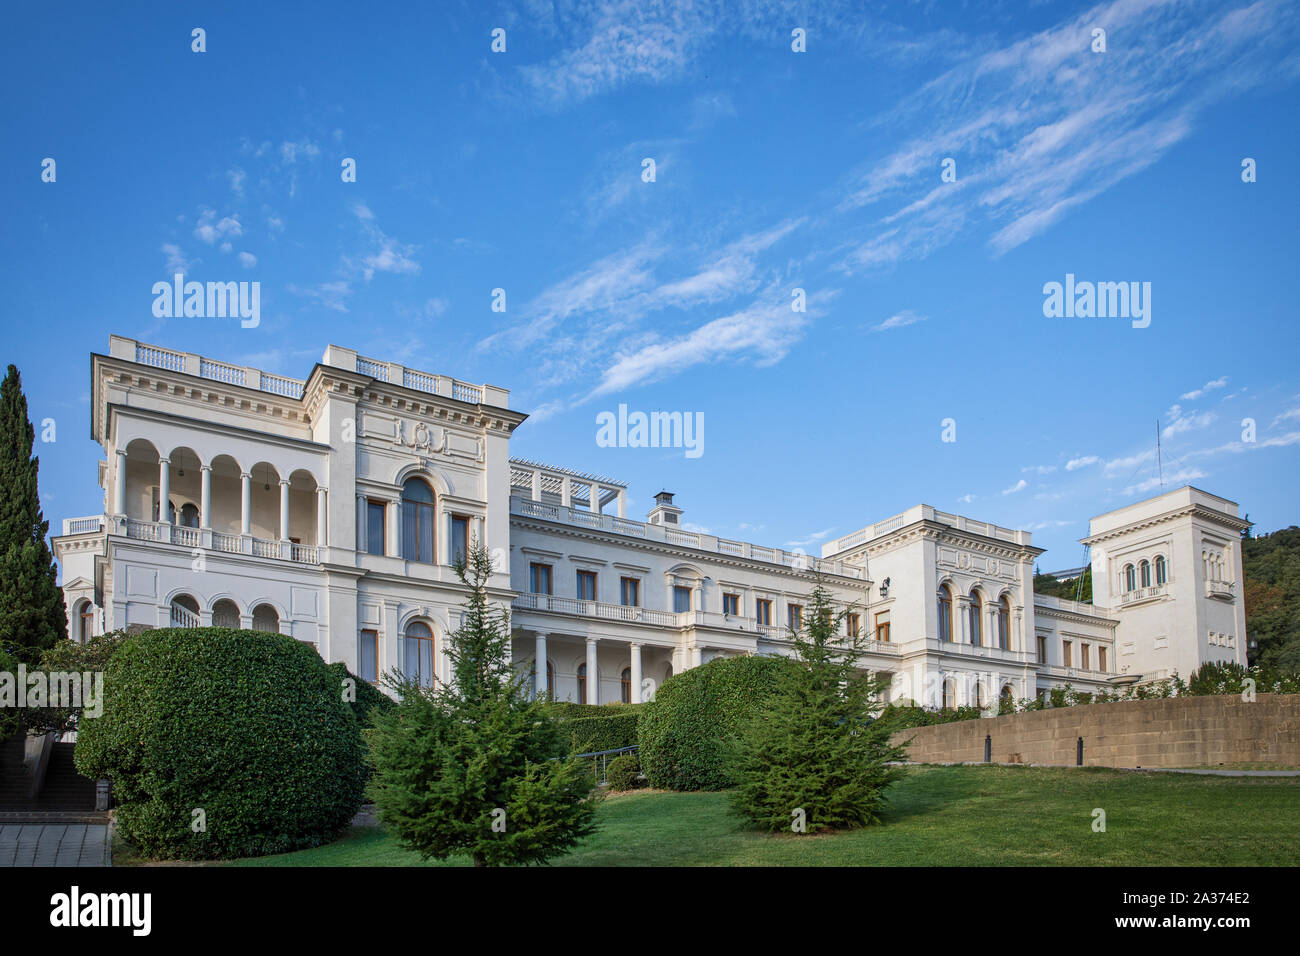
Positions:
{"x": 1159, "y": 461}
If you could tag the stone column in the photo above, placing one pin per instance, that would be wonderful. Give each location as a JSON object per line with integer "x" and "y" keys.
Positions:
{"x": 537, "y": 485}
{"x": 539, "y": 658}
{"x": 595, "y": 498}
{"x": 635, "y": 696}
{"x": 960, "y": 632}
{"x": 284, "y": 509}
{"x": 164, "y": 490}
{"x": 119, "y": 490}
{"x": 622, "y": 503}
{"x": 363, "y": 530}
{"x": 245, "y": 503}
{"x": 205, "y": 497}
{"x": 593, "y": 673}
{"x": 566, "y": 491}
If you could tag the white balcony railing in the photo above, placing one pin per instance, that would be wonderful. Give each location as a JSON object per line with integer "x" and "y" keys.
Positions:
{"x": 218, "y": 541}
{"x": 1143, "y": 594}
{"x": 86, "y": 525}
{"x": 1223, "y": 590}
{"x": 183, "y": 617}
{"x": 690, "y": 539}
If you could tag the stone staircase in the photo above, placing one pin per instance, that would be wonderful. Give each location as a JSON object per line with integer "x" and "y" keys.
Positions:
{"x": 66, "y": 793}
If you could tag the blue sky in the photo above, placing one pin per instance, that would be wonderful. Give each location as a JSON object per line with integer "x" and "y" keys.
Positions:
{"x": 775, "y": 170}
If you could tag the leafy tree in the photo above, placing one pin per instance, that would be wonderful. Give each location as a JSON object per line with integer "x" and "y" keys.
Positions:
{"x": 812, "y": 745}
{"x": 32, "y": 615}
{"x": 1069, "y": 589}
{"x": 69, "y": 657}
{"x": 475, "y": 766}
{"x": 1271, "y": 564}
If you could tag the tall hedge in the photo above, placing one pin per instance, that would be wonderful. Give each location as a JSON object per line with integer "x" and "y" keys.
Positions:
{"x": 223, "y": 743}
{"x": 607, "y": 732}
{"x": 685, "y": 734}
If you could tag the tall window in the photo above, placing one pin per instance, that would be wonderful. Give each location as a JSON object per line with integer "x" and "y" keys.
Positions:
{"x": 368, "y": 656}
{"x": 1162, "y": 570}
{"x": 882, "y": 626}
{"x": 763, "y": 611}
{"x": 375, "y": 511}
{"x": 731, "y": 604}
{"x": 629, "y": 592}
{"x": 189, "y": 517}
{"x": 539, "y": 578}
{"x": 459, "y": 538}
{"x": 417, "y": 521}
{"x": 945, "y": 613}
{"x": 1130, "y": 578}
{"x": 794, "y": 617}
{"x": 1144, "y": 574}
{"x": 550, "y": 680}
{"x": 582, "y": 683}
{"x": 418, "y": 653}
{"x": 853, "y": 624}
{"x": 976, "y": 618}
{"x": 625, "y": 685}
{"x": 1042, "y": 649}
{"x": 87, "y": 618}
{"x": 586, "y": 585}
{"x": 949, "y": 695}
{"x": 1066, "y": 656}
{"x": 1083, "y": 656}
{"x": 1004, "y": 623}
{"x": 681, "y": 599}
{"x": 1101, "y": 659}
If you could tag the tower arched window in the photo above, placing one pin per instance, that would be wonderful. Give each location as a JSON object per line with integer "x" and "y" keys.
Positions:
{"x": 945, "y": 613}
{"x": 1144, "y": 574}
{"x": 976, "y": 617}
{"x": 1004, "y": 623}
{"x": 1130, "y": 578}
{"x": 417, "y": 521}
{"x": 1162, "y": 570}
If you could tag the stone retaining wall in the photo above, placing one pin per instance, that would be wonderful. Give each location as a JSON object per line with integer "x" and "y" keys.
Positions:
{"x": 1174, "y": 732}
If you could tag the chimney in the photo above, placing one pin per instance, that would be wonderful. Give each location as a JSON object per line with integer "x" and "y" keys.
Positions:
{"x": 665, "y": 512}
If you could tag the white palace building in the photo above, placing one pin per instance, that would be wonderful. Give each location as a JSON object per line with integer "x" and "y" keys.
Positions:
{"x": 332, "y": 509}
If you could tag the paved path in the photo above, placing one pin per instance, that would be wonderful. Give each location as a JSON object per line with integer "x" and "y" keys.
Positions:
{"x": 54, "y": 844}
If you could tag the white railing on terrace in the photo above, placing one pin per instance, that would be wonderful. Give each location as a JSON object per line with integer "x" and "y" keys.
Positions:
{"x": 86, "y": 525}
{"x": 1062, "y": 670}
{"x": 426, "y": 382}
{"x": 221, "y": 541}
{"x": 372, "y": 368}
{"x": 1142, "y": 594}
{"x": 183, "y": 617}
{"x": 212, "y": 369}
{"x": 466, "y": 393}
{"x": 703, "y": 542}
{"x": 927, "y": 513}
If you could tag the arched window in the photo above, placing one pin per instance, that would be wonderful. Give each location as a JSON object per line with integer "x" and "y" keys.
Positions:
{"x": 949, "y": 695}
{"x": 189, "y": 517}
{"x": 945, "y": 613}
{"x": 266, "y": 619}
{"x": 84, "y": 621}
{"x": 225, "y": 613}
{"x": 976, "y": 615}
{"x": 1004, "y": 623}
{"x": 582, "y": 683}
{"x": 418, "y": 653}
{"x": 1006, "y": 702}
{"x": 1130, "y": 578}
{"x": 1144, "y": 574}
{"x": 625, "y": 685}
{"x": 1162, "y": 570}
{"x": 417, "y": 521}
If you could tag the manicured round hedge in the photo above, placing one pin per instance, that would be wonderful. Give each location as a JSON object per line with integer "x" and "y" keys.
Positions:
{"x": 685, "y": 733}
{"x": 250, "y": 728}
{"x": 622, "y": 773}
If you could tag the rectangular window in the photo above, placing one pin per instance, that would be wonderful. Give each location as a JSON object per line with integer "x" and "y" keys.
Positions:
{"x": 794, "y": 616}
{"x": 1042, "y": 649}
{"x": 853, "y": 623}
{"x": 586, "y": 585}
{"x": 763, "y": 611}
{"x": 629, "y": 592}
{"x": 1101, "y": 659}
{"x": 681, "y": 599}
{"x": 1083, "y": 656}
{"x": 731, "y": 604}
{"x": 375, "y": 512}
{"x": 1066, "y": 647}
{"x": 882, "y": 626}
{"x": 459, "y": 539}
{"x": 539, "y": 578}
{"x": 368, "y": 656}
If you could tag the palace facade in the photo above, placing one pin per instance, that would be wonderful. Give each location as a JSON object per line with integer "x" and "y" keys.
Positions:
{"x": 332, "y": 509}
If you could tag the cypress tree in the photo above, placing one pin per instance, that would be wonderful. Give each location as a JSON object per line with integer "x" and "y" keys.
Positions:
{"x": 32, "y": 614}
{"x": 476, "y": 766}
{"x": 812, "y": 756}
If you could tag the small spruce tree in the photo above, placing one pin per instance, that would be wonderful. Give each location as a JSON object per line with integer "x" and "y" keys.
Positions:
{"x": 32, "y": 615}
{"x": 475, "y": 766}
{"x": 812, "y": 752}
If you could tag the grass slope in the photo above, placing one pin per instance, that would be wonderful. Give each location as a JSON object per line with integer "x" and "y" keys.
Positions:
{"x": 938, "y": 816}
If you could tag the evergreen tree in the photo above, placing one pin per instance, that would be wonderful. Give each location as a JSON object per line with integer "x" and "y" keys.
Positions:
{"x": 475, "y": 766}
{"x": 32, "y": 615}
{"x": 813, "y": 745}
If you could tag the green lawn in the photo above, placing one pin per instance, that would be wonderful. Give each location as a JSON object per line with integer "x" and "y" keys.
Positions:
{"x": 941, "y": 816}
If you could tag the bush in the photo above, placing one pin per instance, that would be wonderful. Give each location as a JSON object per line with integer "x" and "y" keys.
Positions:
{"x": 368, "y": 696}
{"x": 589, "y": 734}
{"x": 8, "y": 715}
{"x": 247, "y": 727}
{"x": 686, "y": 732}
{"x": 622, "y": 773}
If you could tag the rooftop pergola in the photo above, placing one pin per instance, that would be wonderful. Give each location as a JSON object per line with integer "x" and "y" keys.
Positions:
{"x": 570, "y": 488}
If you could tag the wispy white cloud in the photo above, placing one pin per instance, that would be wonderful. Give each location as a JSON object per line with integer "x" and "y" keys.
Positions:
{"x": 1204, "y": 390}
{"x": 1074, "y": 464}
{"x": 1020, "y": 485}
{"x": 898, "y": 320}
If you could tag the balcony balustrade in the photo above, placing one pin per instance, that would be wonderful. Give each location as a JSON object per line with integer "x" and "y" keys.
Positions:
{"x": 187, "y": 537}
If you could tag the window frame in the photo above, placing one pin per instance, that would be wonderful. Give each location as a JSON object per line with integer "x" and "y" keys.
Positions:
{"x": 534, "y": 577}
{"x": 361, "y": 656}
